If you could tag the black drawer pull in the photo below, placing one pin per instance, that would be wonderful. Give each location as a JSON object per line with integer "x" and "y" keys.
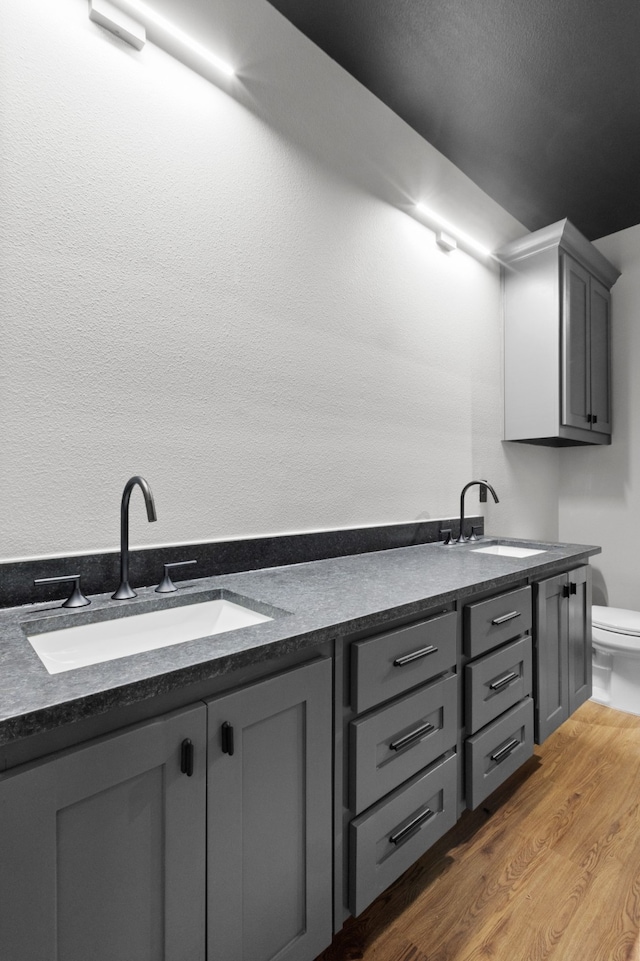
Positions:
{"x": 411, "y": 827}
{"x": 407, "y": 658}
{"x": 496, "y": 685}
{"x": 186, "y": 757}
{"x": 226, "y": 734}
{"x": 506, "y": 617}
{"x": 412, "y": 736}
{"x": 506, "y": 751}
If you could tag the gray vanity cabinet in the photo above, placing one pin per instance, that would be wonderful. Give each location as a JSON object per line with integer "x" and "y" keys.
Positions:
{"x": 401, "y": 730}
{"x": 102, "y": 848}
{"x": 557, "y": 338}
{"x": 270, "y": 818}
{"x": 497, "y": 683}
{"x": 562, "y": 654}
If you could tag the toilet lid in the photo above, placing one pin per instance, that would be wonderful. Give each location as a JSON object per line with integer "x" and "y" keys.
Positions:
{"x": 616, "y": 619}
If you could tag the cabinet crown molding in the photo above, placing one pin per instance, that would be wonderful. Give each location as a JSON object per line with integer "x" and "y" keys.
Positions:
{"x": 567, "y": 238}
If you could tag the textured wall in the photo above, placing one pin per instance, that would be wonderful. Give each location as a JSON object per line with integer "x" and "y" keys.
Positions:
{"x": 600, "y": 488}
{"x": 221, "y": 289}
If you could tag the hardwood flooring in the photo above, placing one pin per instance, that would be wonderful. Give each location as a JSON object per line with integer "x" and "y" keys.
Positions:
{"x": 547, "y": 868}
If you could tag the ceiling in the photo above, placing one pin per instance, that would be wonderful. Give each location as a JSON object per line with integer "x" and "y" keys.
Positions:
{"x": 537, "y": 101}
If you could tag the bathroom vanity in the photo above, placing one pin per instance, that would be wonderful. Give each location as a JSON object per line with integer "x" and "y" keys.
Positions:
{"x": 238, "y": 797}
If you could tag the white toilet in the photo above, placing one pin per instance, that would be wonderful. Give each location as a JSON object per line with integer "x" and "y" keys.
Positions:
{"x": 616, "y": 658}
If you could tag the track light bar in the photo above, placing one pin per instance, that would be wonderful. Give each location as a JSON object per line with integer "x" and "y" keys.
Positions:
{"x": 149, "y": 14}
{"x": 459, "y": 235}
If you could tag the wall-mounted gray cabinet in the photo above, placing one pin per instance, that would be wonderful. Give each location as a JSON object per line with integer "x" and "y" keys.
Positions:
{"x": 557, "y": 338}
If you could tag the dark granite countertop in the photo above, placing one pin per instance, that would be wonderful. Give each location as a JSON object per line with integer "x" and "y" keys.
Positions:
{"x": 315, "y": 602}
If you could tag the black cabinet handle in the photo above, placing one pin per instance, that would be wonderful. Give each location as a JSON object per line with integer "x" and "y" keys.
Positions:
{"x": 414, "y": 656}
{"x": 186, "y": 757}
{"x": 568, "y": 589}
{"x": 506, "y": 751}
{"x": 496, "y": 685}
{"x": 411, "y": 827}
{"x": 227, "y": 738}
{"x": 412, "y": 736}
{"x": 506, "y": 617}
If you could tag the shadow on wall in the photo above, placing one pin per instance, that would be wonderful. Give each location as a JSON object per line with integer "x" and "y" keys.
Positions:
{"x": 600, "y": 595}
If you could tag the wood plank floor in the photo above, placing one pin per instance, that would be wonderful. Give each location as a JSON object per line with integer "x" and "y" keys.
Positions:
{"x": 547, "y": 868}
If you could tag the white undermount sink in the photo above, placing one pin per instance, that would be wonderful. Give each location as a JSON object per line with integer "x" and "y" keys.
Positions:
{"x": 90, "y": 643}
{"x": 508, "y": 550}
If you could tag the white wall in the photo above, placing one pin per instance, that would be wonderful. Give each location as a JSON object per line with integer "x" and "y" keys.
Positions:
{"x": 220, "y": 288}
{"x": 600, "y": 488}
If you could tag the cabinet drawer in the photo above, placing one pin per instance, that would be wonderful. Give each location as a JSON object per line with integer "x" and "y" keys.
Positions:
{"x": 386, "y": 840}
{"x": 496, "y": 682}
{"x": 392, "y": 744}
{"x": 495, "y": 752}
{"x": 389, "y": 664}
{"x": 496, "y": 620}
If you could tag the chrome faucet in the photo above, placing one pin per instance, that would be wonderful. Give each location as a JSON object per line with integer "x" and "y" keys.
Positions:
{"x": 125, "y": 590}
{"x": 487, "y": 487}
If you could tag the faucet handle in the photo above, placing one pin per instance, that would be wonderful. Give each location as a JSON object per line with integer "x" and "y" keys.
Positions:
{"x": 475, "y": 530}
{"x": 446, "y": 535}
{"x": 76, "y": 598}
{"x": 166, "y": 585}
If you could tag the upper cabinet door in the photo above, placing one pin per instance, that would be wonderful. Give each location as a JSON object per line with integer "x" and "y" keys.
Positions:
{"x": 576, "y": 387}
{"x": 600, "y": 317}
{"x": 103, "y": 849}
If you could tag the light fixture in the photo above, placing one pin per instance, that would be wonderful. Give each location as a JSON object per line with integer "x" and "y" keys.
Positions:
{"x": 148, "y": 14}
{"x": 452, "y": 233}
{"x": 446, "y": 241}
{"x": 112, "y": 18}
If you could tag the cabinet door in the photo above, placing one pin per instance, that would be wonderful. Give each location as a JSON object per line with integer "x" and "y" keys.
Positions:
{"x": 102, "y": 849}
{"x": 600, "y": 327}
{"x": 269, "y": 818}
{"x": 576, "y": 386}
{"x": 551, "y": 659}
{"x": 579, "y": 641}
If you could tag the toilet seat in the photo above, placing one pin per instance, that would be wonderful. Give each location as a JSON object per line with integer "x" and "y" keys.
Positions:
{"x": 616, "y": 619}
{"x": 616, "y": 629}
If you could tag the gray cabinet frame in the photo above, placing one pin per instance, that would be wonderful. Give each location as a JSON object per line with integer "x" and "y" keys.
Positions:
{"x": 103, "y": 848}
{"x": 562, "y": 652}
{"x": 269, "y": 818}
